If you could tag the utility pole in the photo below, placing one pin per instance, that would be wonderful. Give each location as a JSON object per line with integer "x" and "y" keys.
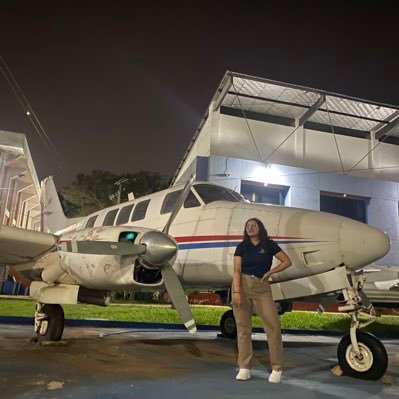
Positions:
{"x": 118, "y": 183}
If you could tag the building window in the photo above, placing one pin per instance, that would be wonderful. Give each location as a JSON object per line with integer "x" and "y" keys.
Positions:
{"x": 258, "y": 192}
{"x": 350, "y": 206}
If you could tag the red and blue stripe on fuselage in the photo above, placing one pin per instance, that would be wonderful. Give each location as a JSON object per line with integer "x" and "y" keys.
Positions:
{"x": 225, "y": 241}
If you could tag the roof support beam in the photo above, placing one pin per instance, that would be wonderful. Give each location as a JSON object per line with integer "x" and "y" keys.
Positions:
{"x": 387, "y": 129}
{"x": 308, "y": 114}
{"x": 276, "y": 101}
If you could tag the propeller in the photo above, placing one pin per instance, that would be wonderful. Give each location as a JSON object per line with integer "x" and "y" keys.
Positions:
{"x": 156, "y": 249}
{"x": 170, "y": 278}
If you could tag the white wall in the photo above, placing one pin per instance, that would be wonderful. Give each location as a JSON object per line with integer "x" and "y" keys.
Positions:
{"x": 256, "y": 140}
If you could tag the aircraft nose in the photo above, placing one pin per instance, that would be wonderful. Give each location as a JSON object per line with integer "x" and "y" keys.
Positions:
{"x": 361, "y": 244}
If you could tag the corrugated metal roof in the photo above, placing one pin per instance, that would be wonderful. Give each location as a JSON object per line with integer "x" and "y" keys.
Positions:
{"x": 302, "y": 105}
{"x": 291, "y": 105}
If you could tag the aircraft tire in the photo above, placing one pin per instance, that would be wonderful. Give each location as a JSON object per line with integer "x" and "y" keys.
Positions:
{"x": 373, "y": 363}
{"x": 53, "y": 326}
{"x": 283, "y": 307}
{"x": 228, "y": 326}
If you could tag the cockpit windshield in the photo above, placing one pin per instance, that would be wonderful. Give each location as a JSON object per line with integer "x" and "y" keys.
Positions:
{"x": 210, "y": 193}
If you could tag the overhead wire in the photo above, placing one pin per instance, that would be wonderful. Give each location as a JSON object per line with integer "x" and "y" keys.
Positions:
{"x": 267, "y": 158}
{"x": 30, "y": 113}
{"x": 335, "y": 138}
{"x": 246, "y": 120}
{"x": 250, "y": 131}
{"x": 369, "y": 152}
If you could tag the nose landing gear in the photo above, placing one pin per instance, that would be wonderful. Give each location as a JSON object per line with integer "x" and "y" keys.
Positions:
{"x": 360, "y": 354}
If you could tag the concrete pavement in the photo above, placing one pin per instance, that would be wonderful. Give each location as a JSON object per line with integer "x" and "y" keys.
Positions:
{"x": 146, "y": 363}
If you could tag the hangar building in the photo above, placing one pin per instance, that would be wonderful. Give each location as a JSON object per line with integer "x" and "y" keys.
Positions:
{"x": 19, "y": 193}
{"x": 297, "y": 146}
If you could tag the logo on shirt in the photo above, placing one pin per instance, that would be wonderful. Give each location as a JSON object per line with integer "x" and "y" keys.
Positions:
{"x": 262, "y": 251}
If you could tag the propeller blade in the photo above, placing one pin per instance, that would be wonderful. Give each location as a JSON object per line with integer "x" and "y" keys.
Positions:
{"x": 102, "y": 247}
{"x": 178, "y": 297}
{"x": 179, "y": 203}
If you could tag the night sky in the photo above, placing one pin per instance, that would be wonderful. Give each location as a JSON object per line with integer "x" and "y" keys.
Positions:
{"x": 123, "y": 87}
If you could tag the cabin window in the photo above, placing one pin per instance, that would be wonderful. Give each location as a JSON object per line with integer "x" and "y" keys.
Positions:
{"x": 91, "y": 221}
{"x": 110, "y": 217}
{"x": 170, "y": 201}
{"x": 210, "y": 193}
{"x": 124, "y": 214}
{"x": 191, "y": 201}
{"x": 140, "y": 210}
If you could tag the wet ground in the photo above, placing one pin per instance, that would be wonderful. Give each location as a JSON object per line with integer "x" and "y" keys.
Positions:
{"x": 102, "y": 363}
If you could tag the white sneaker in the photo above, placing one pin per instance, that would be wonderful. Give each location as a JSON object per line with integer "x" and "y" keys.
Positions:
{"x": 243, "y": 375}
{"x": 275, "y": 376}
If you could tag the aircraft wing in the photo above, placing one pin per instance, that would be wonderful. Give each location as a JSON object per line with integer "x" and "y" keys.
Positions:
{"x": 21, "y": 245}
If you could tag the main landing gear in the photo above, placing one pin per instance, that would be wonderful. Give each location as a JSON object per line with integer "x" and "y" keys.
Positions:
{"x": 228, "y": 327}
{"x": 49, "y": 322}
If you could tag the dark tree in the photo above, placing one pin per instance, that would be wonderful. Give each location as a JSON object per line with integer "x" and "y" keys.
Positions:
{"x": 91, "y": 192}
{"x": 143, "y": 183}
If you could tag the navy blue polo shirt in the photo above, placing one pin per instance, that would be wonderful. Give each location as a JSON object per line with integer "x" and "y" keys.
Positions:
{"x": 256, "y": 259}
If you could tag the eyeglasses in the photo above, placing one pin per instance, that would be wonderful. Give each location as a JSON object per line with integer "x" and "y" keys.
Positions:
{"x": 252, "y": 226}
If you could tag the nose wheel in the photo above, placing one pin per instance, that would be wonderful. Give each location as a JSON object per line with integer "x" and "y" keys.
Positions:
{"x": 369, "y": 362}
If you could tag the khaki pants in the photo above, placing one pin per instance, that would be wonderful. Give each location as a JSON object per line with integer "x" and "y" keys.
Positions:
{"x": 257, "y": 297}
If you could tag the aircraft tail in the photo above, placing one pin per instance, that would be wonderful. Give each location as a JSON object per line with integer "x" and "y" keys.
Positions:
{"x": 53, "y": 217}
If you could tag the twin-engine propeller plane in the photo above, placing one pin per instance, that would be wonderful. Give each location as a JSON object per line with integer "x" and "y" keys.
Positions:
{"x": 185, "y": 237}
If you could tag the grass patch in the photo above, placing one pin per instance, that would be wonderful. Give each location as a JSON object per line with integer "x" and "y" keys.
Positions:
{"x": 204, "y": 315}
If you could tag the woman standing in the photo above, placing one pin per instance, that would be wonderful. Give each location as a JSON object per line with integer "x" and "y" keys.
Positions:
{"x": 252, "y": 293}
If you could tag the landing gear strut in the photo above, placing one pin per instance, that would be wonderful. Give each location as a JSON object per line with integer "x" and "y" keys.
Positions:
{"x": 360, "y": 354}
{"x": 49, "y": 322}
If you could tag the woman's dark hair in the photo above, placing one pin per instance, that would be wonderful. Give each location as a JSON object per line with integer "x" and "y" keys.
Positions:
{"x": 263, "y": 235}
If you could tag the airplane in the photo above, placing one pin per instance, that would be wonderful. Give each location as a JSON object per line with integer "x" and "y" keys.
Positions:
{"x": 184, "y": 237}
